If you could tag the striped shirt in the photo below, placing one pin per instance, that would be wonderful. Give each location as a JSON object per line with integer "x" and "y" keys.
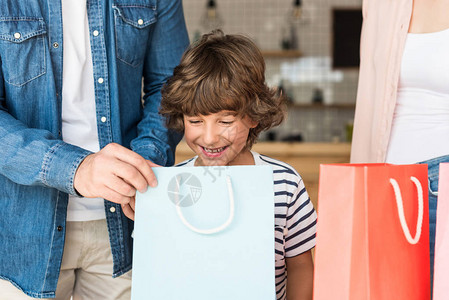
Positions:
{"x": 294, "y": 216}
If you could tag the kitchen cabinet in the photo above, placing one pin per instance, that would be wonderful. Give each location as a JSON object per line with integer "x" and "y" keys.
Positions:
{"x": 304, "y": 157}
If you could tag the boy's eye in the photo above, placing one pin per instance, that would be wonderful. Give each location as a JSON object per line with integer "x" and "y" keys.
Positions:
{"x": 194, "y": 121}
{"x": 227, "y": 122}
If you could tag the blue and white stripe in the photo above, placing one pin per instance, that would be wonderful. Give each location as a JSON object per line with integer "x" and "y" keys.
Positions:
{"x": 295, "y": 217}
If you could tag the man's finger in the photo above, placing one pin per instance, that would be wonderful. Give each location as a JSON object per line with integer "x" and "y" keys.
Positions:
{"x": 152, "y": 164}
{"x": 120, "y": 186}
{"x": 115, "y": 197}
{"x": 128, "y": 211}
{"x": 132, "y": 203}
{"x": 135, "y": 160}
{"x": 130, "y": 174}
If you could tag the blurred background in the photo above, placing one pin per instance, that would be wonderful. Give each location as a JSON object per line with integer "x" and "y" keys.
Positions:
{"x": 311, "y": 50}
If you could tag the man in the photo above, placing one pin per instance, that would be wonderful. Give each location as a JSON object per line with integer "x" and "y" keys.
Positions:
{"x": 70, "y": 85}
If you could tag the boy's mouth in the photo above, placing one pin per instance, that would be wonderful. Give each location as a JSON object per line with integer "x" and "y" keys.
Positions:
{"x": 213, "y": 151}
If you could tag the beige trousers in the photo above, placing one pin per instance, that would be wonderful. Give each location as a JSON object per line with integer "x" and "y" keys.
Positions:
{"x": 86, "y": 269}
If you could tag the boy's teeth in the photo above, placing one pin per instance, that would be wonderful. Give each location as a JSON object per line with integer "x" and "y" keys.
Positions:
{"x": 216, "y": 150}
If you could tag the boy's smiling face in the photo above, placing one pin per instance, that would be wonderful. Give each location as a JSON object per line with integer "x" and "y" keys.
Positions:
{"x": 219, "y": 139}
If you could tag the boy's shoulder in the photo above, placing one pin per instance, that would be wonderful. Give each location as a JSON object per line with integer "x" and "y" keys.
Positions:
{"x": 187, "y": 163}
{"x": 279, "y": 167}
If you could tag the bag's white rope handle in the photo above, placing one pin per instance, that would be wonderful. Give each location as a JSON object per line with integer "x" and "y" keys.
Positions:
{"x": 405, "y": 229}
{"x": 219, "y": 228}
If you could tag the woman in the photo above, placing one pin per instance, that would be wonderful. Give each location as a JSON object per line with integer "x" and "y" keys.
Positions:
{"x": 402, "y": 112}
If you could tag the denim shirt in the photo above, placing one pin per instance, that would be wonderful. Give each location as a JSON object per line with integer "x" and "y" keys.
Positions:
{"x": 137, "y": 39}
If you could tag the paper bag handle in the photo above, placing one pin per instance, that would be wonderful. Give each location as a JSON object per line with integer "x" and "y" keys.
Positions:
{"x": 219, "y": 228}
{"x": 399, "y": 203}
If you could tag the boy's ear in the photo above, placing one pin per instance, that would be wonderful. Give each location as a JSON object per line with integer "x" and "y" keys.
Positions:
{"x": 251, "y": 123}
{"x": 254, "y": 124}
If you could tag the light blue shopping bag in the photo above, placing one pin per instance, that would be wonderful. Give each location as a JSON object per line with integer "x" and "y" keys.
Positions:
{"x": 205, "y": 233}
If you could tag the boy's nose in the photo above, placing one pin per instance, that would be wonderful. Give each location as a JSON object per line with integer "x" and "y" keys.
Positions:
{"x": 211, "y": 136}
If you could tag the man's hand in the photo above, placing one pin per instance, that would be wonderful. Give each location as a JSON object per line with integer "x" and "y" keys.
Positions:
{"x": 130, "y": 208}
{"x": 115, "y": 173}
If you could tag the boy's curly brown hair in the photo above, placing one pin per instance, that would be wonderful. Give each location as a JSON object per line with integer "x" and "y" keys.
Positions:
{"x": 222, "y": 72}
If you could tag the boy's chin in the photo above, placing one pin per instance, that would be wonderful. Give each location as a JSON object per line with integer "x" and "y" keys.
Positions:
{"x": 212, "y": 162}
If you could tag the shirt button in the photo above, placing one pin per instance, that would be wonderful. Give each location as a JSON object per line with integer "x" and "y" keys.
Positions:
{"x": 140, "y": 22}
{"x": 55, "y": 45}
{"x": 17, "y": 35}
{"x": 285, "y": 231}
{"x": 112, "y": 209}
{"x": 100, "y": 80}
{"x": 103, "y": 119}
{"x": 59, "y": 228}
{"x": 96, "y": 33}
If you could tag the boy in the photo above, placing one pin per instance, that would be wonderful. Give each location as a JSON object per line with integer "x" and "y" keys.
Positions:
{"x": 218, "y": 98}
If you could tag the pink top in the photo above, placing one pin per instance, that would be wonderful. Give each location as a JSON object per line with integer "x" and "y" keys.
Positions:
{"x": 384, "y": 31}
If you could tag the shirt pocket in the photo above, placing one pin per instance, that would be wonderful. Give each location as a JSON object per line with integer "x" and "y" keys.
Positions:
{"x": 22, "y": 49}
{"x": 132, "y": 30}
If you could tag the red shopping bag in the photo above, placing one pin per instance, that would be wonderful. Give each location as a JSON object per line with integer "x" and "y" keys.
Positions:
{"x": 441, "y": 272}
{"x": 372, "y": 233}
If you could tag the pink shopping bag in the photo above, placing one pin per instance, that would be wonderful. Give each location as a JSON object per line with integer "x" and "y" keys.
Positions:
{"x": 441, "y": 270}
{"x": 372, "y": 233}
